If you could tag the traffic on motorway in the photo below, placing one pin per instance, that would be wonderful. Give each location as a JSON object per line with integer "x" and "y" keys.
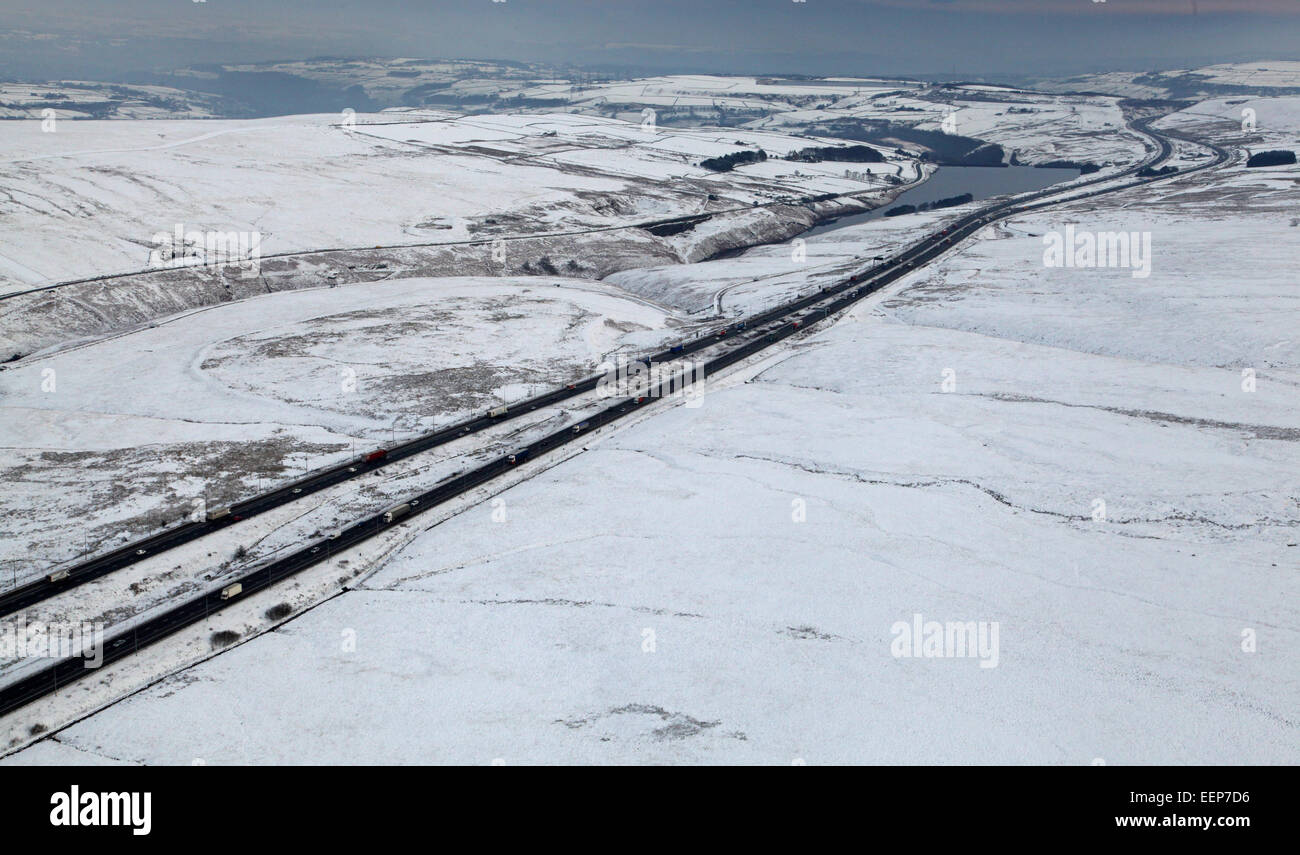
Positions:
{"x": 736, "y": 341}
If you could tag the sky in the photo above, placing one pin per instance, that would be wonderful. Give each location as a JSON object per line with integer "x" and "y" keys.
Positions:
{"x": 107, "y": 39}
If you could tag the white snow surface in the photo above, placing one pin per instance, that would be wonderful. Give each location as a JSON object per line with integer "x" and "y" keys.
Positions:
{"x": 1072, "y": 454}
{"x": 130, "y": 431}
{"x": 92, "y": 198}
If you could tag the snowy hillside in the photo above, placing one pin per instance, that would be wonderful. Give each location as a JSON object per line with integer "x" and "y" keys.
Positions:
{"x": 326, "y": 200}
{"x": 1072, "y": 456}
{"x": 76, "y": 100}
{"x": 1273, "y": 77}
{"x": 248, "y": 394}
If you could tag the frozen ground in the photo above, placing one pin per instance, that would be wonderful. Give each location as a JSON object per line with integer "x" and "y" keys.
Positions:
{"x": 1243, "y": 78}
{"x": 89, "y": 199}
{"x": 760, "y": 277}
{"x": 572, "y": 185}
{"x": 1072, "y": 454}
{"x": 1255, "y": 124}
{"x": 1036, "y": 127}
{"x": 123, "y": 435}
{"x": 74, "y": 100}
{"x": 395, "y": 195}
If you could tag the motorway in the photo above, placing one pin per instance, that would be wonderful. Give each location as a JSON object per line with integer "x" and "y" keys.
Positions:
{"x": 737, "y": 341}
{"x": 63, "y": 579}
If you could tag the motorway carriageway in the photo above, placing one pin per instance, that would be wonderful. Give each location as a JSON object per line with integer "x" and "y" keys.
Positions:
{"x": 758, "y": 333}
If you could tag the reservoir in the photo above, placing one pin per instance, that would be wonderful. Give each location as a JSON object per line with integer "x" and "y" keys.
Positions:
{"x": 982, "y": 182}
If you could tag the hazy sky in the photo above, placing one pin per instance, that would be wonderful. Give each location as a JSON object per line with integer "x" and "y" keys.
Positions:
{"x": 66, "y": 38}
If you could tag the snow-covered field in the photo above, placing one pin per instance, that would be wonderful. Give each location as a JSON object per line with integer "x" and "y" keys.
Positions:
{"x": 569, "y": 182}
{"x": 336, "y": 199}
{"x": 1255, "y": 124}
{"x": 123, "y": 435}
{"x": 1267, "y": 77}
{"x": 1037, "y": 127}
{"x": 48, "y": 105}
{"x": 90, "y": 198}
{"x": 1098, "y": 471}
{"x": 761, "y": 277}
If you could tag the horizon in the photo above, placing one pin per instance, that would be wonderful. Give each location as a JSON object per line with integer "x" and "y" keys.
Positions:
{"x": 992, "y": 39}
